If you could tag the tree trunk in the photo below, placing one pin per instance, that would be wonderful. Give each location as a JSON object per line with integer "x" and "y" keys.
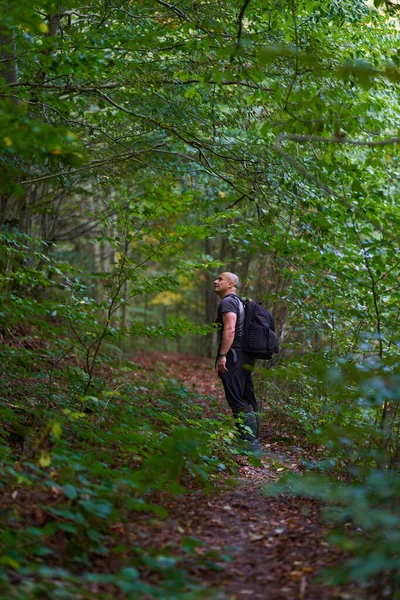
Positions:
{"x": 210, "y": 304}
{"x": 8, "y": 64}
{"x": 11, "y": 209}
{"x": 10, "y": 206}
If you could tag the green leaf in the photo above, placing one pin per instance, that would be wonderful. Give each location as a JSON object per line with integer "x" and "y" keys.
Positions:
{"x": 45, "y": 459}
{"x": 70, "y": 491}
{"x": 56, "y": 430}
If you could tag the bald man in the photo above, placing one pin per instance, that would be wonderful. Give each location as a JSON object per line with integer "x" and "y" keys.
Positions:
{"x": 233, "y": 364}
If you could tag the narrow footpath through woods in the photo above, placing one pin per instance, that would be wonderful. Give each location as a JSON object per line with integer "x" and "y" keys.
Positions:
{"x": 269, "y": 548}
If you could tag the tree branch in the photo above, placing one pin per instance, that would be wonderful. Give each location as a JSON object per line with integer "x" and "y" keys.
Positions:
{"x": 296, "y": 70}
{"x": 294, "y": 137}
{"x": 252, "y": 86}
{"x": 95, "y": 163}
{"x": 65, "y": 89}
{"x": 240, "y": 29}
{"x": 302, "y": 139}
{"x": 175, "y": 10}
{"x": 299, "y": 167}
{"x": 240, "y": 21}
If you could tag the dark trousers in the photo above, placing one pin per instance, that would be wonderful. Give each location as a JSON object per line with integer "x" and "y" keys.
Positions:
{"x": 238, "y": 382}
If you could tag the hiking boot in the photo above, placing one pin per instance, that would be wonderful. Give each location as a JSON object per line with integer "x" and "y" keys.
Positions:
{"x": 258, "y": 423}
{"x": 247, "y": 426}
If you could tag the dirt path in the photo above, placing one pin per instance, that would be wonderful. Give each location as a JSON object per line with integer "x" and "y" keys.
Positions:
{"x": 268, "y": 548}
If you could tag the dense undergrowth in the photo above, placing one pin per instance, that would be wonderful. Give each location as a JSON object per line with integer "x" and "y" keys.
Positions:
{"x": 348, "y": 410}
{"x": 88, "y": 441}
{"x": 145, "y": 147}
{"x": 76, "y": 469}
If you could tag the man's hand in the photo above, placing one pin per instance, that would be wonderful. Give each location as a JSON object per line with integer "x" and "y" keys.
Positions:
{"x": 228, "y": 335}
{"x": 221, "y": 365}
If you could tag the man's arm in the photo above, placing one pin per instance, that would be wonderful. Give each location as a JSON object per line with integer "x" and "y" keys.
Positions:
{"x": 228, "y": 335}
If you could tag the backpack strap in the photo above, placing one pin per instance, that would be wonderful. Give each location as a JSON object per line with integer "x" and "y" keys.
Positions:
{"x": 242, "y": 314}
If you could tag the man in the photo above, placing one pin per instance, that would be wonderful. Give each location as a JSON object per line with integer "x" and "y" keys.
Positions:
{"x": 233, "y": 364}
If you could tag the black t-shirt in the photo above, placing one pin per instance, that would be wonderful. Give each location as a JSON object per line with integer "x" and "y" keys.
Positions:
{"x": 233, "y": 304}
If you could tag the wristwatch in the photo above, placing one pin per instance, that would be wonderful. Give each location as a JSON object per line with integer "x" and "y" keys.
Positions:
{"x": 221, "y": 355}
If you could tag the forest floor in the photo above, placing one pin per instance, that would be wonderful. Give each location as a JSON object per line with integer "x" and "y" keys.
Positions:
{"x": 269, "y": 548}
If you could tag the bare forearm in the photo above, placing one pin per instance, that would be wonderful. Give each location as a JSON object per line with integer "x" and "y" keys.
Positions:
{"x": 227, "y": 340}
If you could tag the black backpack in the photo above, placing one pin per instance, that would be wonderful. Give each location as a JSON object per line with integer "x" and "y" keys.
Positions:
{"x": 260, "y": 339}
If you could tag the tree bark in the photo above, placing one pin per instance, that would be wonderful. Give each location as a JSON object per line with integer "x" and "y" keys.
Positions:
{"x": 210, "y": 305}
{"x": 8, "y": 64}
{"x": 10, "y": 206}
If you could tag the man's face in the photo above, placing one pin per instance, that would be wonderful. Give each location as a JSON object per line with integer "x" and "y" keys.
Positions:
{"x": 222, "y": 285}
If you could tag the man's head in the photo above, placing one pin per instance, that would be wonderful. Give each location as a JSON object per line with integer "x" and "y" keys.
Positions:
{"x": 225, "y": 284}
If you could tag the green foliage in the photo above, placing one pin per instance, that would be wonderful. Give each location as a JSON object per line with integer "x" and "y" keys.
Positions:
{"x": 364, "y": 519}
{"x": 358, "y": 427}
{"x": 144, "y": 145}
{"x": 93, "y": 468}
{"x": 84, "y": 440}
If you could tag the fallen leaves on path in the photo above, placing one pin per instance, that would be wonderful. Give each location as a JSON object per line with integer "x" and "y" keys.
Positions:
{"x": 235, "y": 539}
{"x": 266, "y": 548}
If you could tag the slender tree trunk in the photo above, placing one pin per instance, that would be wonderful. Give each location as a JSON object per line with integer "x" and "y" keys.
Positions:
{"x": 210, "y": 304}
{"x": 244, "y": 273}
{"x": 11, "y": 209}
{"x": 8, "y": 64}
{"x": 10, "y": 206}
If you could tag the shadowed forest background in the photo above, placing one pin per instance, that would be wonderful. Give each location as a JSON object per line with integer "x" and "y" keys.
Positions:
{"x": 146, "y": 147}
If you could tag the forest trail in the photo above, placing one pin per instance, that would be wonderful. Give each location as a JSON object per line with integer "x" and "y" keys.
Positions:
{"x": 268, "y": 548}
